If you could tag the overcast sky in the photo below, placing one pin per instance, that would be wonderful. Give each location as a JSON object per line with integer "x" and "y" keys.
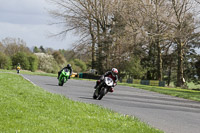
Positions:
{"x": 29, "y": 20}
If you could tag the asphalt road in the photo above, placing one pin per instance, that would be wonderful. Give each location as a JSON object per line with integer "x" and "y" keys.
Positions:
{"x": 170, "y": 114}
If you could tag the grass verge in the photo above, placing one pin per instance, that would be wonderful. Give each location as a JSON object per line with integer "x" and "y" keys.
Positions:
{"x": 30, "y": 73}
{"x": 28, "y": 108}
{"x": 182, "y": 93}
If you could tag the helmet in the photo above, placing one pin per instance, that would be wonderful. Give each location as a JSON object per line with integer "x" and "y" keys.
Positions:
{"x": 69, "y": 65}
{"x": 114, "y": 71}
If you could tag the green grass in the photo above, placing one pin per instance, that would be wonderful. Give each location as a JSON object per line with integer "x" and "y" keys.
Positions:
{"x": 183, "y": 93}
{"x": 29, "y": 72}
{"x": 191, "y": 85}
{"x": 27, "y": 108}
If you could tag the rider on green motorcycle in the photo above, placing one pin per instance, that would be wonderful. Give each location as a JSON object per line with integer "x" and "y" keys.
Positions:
{"x": 69, "y": 67}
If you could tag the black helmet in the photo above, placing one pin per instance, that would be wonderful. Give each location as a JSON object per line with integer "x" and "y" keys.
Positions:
{"x": 69, "y": 65}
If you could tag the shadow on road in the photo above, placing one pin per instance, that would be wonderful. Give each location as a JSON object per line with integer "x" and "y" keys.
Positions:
{"x": 85, "y": 97}
{"x": 52, "y": 84}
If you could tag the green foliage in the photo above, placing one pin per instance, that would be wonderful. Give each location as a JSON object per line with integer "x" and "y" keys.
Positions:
{"x": 197, "y": 65}
{"x": 33, "y": 60}
{"x": 74, "y": 67}
{"x": 27, "y": 61}
{"x": 60, "y": 59}
{"x": 5, "y": 61}
{"x": 42, "y": 49}
{"x": 21, "y": 58}
{"x": 29, "y": 109}
{"x": 36, "y": 50}
{"x": 78, "y": 65}
{"x": 81, "y": 64}
{"x": 134, "y": 69}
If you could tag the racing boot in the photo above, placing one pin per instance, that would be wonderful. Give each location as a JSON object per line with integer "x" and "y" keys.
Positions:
{"x": 111, "y": 89}
{"x": 97, "y": 83}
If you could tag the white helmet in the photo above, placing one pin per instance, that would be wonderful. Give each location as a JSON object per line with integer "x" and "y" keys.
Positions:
{"x": 114, "y": 71}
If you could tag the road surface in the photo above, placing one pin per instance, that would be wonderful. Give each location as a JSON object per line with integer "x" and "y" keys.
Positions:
{"x": 167, "y": 113}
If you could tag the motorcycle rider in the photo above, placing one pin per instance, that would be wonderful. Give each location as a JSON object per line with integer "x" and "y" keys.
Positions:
{"x": 18, "y": 64}
{"x": 112, "y": 74}
{"x": 69, "y": 67}
{"x": 18, "y": 67}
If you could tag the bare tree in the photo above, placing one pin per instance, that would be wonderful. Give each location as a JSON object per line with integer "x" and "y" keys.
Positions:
{"x": 2, "y": 48}
{"x": 183, "y": 27}
{"x": 13, "y": 45}
{"x": 76, "y": 15}
{"x": 148, "y": 25}
{"x": 89, "y": 18}
{"x": 116, "y": 30}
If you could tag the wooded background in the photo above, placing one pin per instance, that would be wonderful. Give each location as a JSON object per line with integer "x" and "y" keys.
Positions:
{"x": 143, "y": 39}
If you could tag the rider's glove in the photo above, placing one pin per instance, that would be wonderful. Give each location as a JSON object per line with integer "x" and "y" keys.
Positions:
{"x": 114, "y": 84}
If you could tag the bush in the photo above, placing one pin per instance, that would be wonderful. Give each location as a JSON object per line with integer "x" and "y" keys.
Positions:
{"x": 5, "y": 61}
{"x": 21, "y": 58}
{"x": 47, "y": 63}
{"x": 33, "y": 60}
{"x": 79, "y": 65}
{"x": 134, "y": 69}
{"x": 60, "y": 59}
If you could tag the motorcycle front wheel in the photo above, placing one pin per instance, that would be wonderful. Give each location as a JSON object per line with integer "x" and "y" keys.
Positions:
{"x": 61, "y": 82}
{"x": 94, "y": 95}
{"x": 102, "y": 93}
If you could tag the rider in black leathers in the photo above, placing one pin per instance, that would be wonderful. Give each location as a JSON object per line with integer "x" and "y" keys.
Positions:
{"x": 112, "y": 74}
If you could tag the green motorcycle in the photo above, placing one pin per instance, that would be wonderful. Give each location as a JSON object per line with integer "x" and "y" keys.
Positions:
{"x": 64, "y": 76}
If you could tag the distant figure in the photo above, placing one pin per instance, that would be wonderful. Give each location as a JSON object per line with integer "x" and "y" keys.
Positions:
{"x": 18, "y": 67}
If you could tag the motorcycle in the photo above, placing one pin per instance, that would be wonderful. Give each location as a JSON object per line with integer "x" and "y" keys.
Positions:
{"x": 64, "y": 76}
{"x": 103, "y": 88}
{"x": 18, "y": 69}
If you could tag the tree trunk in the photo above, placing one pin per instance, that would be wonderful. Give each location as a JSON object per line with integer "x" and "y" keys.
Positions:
{"x": 93, "y": 45}
{"x": 169, "y": 74}
{"x": 159, "y": 56}
{"x": 180, "y": 65}
{"x": 100, "y": 67}
{"x": 159, "y": 62}
{"x": 99, "y": 42}
{"x": 93, "y": 52}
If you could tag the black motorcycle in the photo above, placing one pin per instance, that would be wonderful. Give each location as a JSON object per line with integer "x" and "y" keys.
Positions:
{"x": 103, "y": 88}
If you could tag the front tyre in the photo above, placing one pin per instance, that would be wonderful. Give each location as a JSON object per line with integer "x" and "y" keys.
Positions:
{"x": 94, "y": 95}
{"x": 102, "y": 93}
{"x": 61, "y": 82}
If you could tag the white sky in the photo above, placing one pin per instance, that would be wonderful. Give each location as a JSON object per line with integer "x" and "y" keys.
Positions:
{"x": 29, "y": 20}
